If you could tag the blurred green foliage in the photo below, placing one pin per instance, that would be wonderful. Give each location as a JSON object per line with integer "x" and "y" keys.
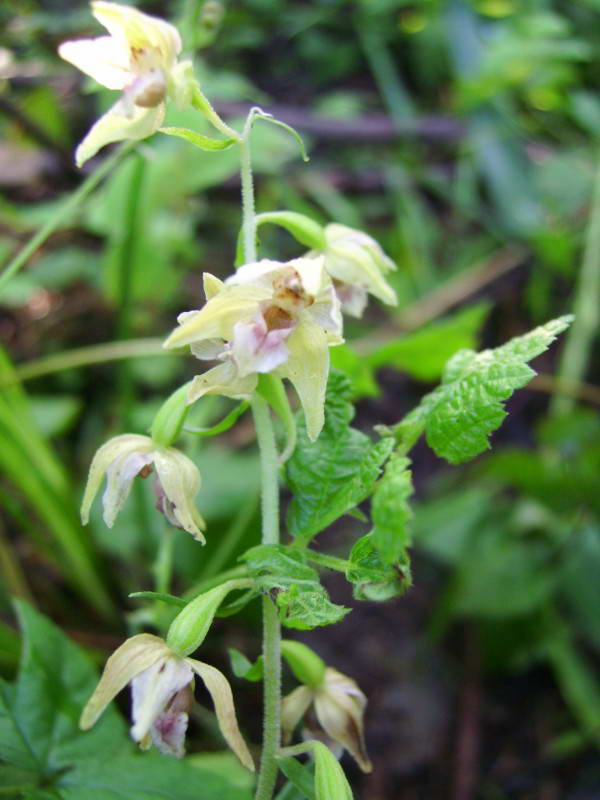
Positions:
{"x": 464, "y": 136}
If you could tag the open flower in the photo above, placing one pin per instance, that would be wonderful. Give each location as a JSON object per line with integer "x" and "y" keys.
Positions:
{"x": 162, "y": 686}
{"x": 138, "y": 58}
{"x": 124, "y": 457}
{"x": 357, "y": 265}
{"x": 339, "y": 706}
{"x": 268, "y": 317}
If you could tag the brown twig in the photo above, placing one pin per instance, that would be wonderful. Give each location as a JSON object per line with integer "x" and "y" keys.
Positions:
{"x": 549, "y": 384}
{"x": 441, "y": 300}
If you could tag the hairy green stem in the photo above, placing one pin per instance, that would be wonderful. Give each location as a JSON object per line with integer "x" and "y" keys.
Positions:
{"x": 327, "y": 561}
{"x": 270, "y": 512}
{"x": 577, "y": 347}
{"x": 71, "y": 204}
{"x": 271, "y": 626}
{"x": 248, "y": 212}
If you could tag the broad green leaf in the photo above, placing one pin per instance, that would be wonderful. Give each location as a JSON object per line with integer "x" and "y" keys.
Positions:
{"x": 39, "y": 715}
{"x": 460, "y": 414}
{"x": 331, "y": 476}
{"x": 243, "y": 668}
{"x": 390, "y": 510}
{"x": 423, "y": 354}
{"x": 303, "y": 603}
{"x": 357, "y": 369}
{"x": 147, "y": 776}
{"x": 371, "y": 578}
{"x": 197, "y": 139}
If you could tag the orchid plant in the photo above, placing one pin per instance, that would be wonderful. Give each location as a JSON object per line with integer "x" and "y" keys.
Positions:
{"x": 269, "y": 326}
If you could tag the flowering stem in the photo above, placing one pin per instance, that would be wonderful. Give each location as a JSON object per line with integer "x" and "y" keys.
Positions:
{"x": 271, "y": 626}
{"x": 248, "y": 213}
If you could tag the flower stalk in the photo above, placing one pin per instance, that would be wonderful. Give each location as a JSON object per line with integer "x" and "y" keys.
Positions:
{"x": 270, "y": 515}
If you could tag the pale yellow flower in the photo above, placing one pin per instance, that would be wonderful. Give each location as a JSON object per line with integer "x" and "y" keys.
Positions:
{"x": 162, "y": 686}
{"x": 138, "y": 58}
{"x": 339, "y": 707}
{"x": 358, "y": 267}
{"x": 124, "y": 457}
{"x": 268, "y": 317}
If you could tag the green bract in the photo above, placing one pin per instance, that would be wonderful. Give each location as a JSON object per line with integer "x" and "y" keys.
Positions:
{"x": 189, "y": 628}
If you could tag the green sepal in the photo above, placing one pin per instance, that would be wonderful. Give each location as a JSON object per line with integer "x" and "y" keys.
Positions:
{"x": 197, "y": 139}
{"x": 189, "y": 628}
{"x": 243, "y": 668}
{"x": 304, "y": 229}
{"x": 170, "y": 417}
{"x": 306, "y": 665}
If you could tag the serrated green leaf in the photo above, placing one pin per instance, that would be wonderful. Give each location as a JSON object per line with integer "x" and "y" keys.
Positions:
{"x": 305, "y": 609}
{"x": 331, "y": 476}
{"x": 371, "y": 578}
{"x": 39, "y": 715}
{"x": 459, "y": 415}
{"x": 303, "y": 603}
{"x": 390, "y": 510}
{"x": 243, "y": 668}
{"x": 197, "y": 139}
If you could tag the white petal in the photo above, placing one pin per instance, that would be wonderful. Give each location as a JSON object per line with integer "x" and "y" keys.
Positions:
{"x": 116, "y": 126}
{"x": 119, "y": 478}
{"x": 152, "y": 689}
{"x": 104, "y": 457}
{"x": 255, "y": 349}
{"x": 180, "y": 480}
{"x": 260, "y": 273}
{"x": 132, "y": 657}
{"x": 169, "y": 728}
{"x": 103, "y": 59}
{"x": 293, "y": 707}
{"x": 353, "y": 298}
{"x": 326, "y": 311}
{"x": 209, "y": 349}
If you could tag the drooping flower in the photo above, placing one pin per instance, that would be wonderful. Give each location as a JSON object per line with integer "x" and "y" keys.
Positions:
{"x": 124, "y": 457}
{"x": 268, "y": 317}
{"x": 162, "y": 686}
{"x": 358, "y": 266}
{"x": 339, "y": 707}
{"x": 138, "y": 58}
